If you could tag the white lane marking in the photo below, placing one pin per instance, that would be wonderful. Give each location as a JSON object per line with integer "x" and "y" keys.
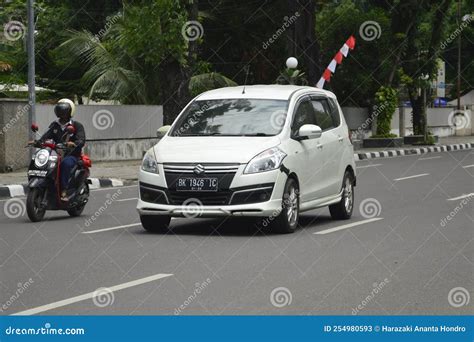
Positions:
{"x": 468, "y": 166}
{"x": 363, "y": 167}
{"x": 414, "y": 176}
{"x": 127, "y": 199}
{"x": 90, "y": 295}
{"x": 111, "y": 228}
{"x": 349, "y": 225}
{"x": 429, "y": 158}
{"x": 461, "y": 197}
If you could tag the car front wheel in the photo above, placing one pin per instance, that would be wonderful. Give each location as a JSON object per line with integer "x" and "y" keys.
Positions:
{"x": 287, "y": 220}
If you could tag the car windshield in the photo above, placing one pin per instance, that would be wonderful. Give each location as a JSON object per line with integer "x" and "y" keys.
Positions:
{"x": 232, "y": 117}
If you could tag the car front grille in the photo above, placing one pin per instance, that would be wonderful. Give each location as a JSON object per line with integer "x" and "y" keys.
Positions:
{"x": 206, "y": 198}
{"x": 243, "y": 195}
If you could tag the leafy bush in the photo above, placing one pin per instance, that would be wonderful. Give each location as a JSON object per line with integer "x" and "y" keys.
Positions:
{"x": 386, "y": 100}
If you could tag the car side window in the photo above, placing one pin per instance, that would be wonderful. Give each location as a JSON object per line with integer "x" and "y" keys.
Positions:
{"x": 304, "y": 115}
{"x": 334, "y": 110}
{"x": 321, "y": 110}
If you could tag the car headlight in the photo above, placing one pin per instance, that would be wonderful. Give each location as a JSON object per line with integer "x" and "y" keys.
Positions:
{"x": 41, "y": 158}
{"x": 149, "y": 163}
{"x": 268, "y": 160}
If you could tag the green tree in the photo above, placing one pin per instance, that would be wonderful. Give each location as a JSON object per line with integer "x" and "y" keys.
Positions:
{"x": 419, "y": 62}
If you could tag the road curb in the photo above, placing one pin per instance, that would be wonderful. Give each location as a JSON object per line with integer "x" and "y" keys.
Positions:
{"x": 411, "y": 151}
{"x": 15, "y": 190}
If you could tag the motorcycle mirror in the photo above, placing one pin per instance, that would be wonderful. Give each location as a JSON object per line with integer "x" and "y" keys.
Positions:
{"x": 34, "y": 127}
{"x": 71, "y": 129}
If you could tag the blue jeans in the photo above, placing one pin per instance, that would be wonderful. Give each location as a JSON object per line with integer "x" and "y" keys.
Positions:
{"x": 67, "y": 165}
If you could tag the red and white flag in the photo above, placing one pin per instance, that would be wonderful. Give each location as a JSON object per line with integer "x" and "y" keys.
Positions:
{"x": 337, "y": 59}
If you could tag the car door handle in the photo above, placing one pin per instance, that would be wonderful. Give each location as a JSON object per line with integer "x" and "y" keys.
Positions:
{"x": 340, "y": 139}
{"x": 319, "y": 146}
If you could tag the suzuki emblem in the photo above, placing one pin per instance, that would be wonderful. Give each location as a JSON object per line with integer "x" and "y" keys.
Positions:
{"x": 199, "y": 169}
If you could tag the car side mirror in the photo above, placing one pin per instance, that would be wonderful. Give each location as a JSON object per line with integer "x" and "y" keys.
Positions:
{"x": 309, "y": 132}
{"x": 34, "y": 127}
{"x": 161, "y": 132}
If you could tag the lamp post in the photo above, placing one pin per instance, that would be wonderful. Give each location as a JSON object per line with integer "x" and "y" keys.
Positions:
{"x": 425, "y": 79}
{"x": 30, "y": 43}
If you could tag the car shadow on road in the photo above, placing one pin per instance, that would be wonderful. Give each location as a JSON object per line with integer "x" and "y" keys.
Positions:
{"x": 238, "y": 226}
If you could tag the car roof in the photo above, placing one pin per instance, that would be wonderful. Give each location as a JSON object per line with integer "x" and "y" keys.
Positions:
{"x": 261, "y": 91}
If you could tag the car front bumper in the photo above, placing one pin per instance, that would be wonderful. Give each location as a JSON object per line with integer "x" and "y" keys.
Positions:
{"x": 192, "y": 207}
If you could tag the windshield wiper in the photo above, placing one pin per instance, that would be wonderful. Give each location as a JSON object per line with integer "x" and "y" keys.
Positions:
{"x": 260, "y": 134}
{"x": 200, "y": 134}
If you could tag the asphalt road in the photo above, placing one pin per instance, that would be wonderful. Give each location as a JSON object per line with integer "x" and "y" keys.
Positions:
{"x": 409, "y": 261}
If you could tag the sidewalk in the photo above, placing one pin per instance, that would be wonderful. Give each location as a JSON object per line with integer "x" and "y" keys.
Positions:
{"x": 118, "y": 173}
{"x": 124, "y": 171}
{"x": 442, "y": 141}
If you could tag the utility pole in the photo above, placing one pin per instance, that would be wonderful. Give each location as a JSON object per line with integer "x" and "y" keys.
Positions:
{"x": 459, "y": 58}
{"x": 30, "y": 43}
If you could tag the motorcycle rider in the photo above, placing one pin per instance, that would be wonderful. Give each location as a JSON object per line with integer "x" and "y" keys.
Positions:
{"x": 57, "y": 131}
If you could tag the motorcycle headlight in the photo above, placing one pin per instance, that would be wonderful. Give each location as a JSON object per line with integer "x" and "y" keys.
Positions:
{"x": 149, "y": 163}
{"x": 41, "y": 158}
{"x": 268, "y": 160}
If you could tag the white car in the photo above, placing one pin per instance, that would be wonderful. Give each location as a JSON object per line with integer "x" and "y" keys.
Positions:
{"x": 269, "y": 151}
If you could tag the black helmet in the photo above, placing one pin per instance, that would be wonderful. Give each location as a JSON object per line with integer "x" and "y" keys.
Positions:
{"x": 64, "y": 109}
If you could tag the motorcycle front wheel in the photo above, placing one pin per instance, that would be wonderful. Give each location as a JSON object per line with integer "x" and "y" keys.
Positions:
{"x": 33, "y": 204}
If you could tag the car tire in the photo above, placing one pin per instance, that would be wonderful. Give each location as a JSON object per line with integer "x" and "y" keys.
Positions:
{"x": 155, "y": 223}
{"x": 287, "y": 221}
{"x": 343, "y": 209}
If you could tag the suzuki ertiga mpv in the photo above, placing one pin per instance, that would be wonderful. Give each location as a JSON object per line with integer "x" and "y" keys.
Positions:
{"x": 269, "y": 151}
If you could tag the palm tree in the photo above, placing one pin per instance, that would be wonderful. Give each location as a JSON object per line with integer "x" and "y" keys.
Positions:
{"x": 113, "y": 76}
{"x": 110, "y": 75}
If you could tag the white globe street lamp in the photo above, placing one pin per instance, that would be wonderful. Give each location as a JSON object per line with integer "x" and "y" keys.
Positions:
{"x": 291, "y": 63}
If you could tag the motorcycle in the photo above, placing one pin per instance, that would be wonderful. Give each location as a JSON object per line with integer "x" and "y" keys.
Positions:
{"x": 44, "y": 179}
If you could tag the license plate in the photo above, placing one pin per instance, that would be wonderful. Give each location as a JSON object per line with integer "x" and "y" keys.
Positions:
{"x": 37, "y": 173}
{"x": 196, "y": 184}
